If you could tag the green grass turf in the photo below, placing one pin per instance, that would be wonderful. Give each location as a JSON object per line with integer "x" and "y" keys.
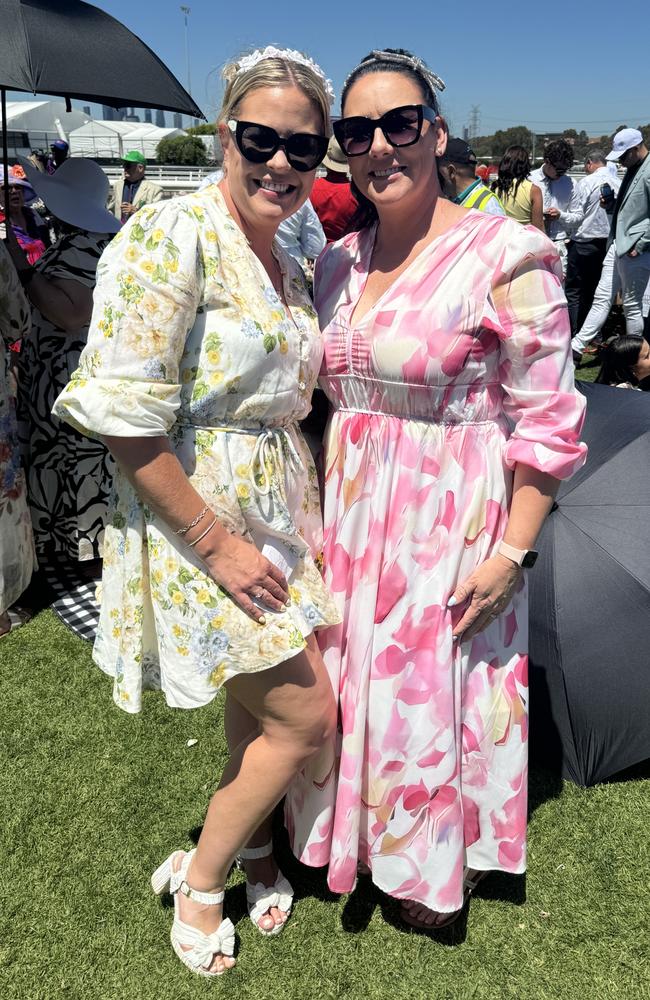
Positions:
{"x": 93, "y": 800}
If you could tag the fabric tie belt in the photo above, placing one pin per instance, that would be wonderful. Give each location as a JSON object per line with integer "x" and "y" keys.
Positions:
{"x": 271, "y": 446}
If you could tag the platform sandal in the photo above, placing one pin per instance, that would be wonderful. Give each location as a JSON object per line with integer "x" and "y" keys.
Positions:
{"x": 261, "y": 898}
{"x": 201, "y": 947}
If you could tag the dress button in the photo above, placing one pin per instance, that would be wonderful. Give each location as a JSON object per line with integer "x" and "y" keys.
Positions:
{"x": 302, "y": 386}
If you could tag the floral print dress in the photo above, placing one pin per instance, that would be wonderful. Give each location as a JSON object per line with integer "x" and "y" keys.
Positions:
{"x": 189, "y": 339}
{"x": 17, "y": 557}
{"x": 460, "y": 371}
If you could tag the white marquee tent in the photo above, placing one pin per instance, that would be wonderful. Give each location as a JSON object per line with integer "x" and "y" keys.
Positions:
{"x": 35, "y": 124}
{"x": 113, "y": 139}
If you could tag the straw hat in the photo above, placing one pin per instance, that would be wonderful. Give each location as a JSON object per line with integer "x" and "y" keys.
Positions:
{"x": 335, "y": 159}
{"x": 76, "y": 194}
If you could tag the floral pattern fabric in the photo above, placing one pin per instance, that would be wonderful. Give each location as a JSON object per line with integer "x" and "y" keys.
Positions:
{"x": 189, "y": 339}
{"x": 17, "y": 557}
{"x": 460, "y": 371}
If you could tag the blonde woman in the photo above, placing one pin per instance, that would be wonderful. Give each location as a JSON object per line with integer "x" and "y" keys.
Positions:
{"x": 202, "y": 355}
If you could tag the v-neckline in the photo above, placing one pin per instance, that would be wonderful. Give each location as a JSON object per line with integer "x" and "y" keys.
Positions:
{"x": 363, "y": 264}
{"x": 276, "y": 252}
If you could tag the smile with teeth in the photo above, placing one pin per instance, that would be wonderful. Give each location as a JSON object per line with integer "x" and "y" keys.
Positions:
{"x": 273, "y": 186}
{"x": 386, "y": 173}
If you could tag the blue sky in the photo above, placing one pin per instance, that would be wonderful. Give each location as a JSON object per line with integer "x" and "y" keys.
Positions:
{"x": 549, "y": 66}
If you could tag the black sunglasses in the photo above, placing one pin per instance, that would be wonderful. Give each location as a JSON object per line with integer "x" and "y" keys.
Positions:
{"x": 259, "y": 143}
{"x": 401, "y": 127}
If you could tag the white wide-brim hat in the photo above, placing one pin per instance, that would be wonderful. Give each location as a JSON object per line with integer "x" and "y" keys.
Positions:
{"x": 75, "y": 194}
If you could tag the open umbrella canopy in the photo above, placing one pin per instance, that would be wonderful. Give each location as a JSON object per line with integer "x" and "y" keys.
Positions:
{"x": 590, "y": 599}
{"x": 71, "y": 49}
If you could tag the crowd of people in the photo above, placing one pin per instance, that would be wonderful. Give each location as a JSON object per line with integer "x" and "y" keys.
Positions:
{"x": 368, "y": 624}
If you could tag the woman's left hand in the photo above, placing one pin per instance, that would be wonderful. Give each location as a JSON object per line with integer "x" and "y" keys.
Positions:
{"x": 489, "y": 590}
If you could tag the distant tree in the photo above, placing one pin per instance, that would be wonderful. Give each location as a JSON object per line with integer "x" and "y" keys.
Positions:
{"x": 207, "y": 128}
{"x": 645, "y": 132}
{"x": 519, "y": 135}
{"x": 184, "y": 150}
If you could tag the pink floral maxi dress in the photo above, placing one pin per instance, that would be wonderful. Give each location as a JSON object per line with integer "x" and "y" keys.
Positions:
{"x": 460, "y": 371}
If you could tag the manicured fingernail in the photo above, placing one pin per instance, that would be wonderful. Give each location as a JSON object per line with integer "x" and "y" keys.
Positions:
{"x": 287, "y": 603}
{"x": 261, "y": 620}
{"x": 451, "y": 602}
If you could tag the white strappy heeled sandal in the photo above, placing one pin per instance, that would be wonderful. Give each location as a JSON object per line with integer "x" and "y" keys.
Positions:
{"x": 261, "y": 898}
{"x": 202, "y": 947}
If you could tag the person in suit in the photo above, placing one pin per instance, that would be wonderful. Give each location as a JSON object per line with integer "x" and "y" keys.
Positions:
{"x": 631, "y": 224}
{"x": 134, "y": 190}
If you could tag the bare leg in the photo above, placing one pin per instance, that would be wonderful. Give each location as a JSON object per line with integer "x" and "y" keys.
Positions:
{"x": 241, "y": 726}
{"x": 295, "y": 708}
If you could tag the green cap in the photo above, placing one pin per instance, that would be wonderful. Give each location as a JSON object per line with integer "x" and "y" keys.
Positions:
{"x": 133, "y": 156}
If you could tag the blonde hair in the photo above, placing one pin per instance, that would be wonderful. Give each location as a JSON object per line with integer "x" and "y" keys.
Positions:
{"x": 273, "y": 72}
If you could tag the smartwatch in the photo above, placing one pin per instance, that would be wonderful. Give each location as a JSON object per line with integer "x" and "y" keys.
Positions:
{"x": 525, "y": 558}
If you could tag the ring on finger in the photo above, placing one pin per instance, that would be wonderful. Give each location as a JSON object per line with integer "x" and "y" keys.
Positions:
{"x": 258, "y": 592}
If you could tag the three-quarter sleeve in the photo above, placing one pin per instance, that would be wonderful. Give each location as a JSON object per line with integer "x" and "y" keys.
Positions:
{"x": 536, "y": 368}
{"x": 149, "y": 287}
{"x": 15, "y": 316}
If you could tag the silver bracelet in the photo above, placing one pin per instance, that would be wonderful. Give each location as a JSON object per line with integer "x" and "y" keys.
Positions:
{"x": 193, "y": 524}
{"x": 209, "y": 528}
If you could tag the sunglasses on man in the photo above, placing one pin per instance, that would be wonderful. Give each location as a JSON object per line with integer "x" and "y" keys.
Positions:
{"x": 259, "y": 144}
{"x": 400, "y": 126}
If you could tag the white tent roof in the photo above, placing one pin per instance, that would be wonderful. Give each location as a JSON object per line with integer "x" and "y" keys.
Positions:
{"x": 113, "y": 139}
{"x": 42, "y": 119}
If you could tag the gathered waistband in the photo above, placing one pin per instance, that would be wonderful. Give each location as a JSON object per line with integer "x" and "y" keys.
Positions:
{"x": 268, "y": 448}
{"x": 431, "y": 421}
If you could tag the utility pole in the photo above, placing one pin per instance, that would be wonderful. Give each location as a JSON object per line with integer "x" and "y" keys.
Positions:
{"x": 186, "y": 11}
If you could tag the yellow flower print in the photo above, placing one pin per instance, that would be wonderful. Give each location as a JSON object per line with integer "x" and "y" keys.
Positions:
{"x": 214, "y": 357}
{"x": 203, "y": 596}
{"x": 157, "y": 576}
{"x": 116, "y": 631}
{"x": 243, "y": 471}
{"x": 158, "y": 235}
{"x": 284, "y": 347}
{"x": 217, "y": 621}
{"x": 178, "y": 631}
{"x": 147, "y": 266}
{"x": 182, "y": 650}
{"x": 177, "y": 597}
{"x": 215, "y": 378}
{"x": 218, "y": 675}
{"x": 171, "y": 565}
{"x": 131, "y": 254}
{"x": 243, "y": 492}
{"x": 172, "y": 266}
{"x": 211, "y": 236}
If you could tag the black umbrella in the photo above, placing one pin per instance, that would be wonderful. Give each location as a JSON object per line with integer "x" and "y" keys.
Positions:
{"x": 71, "y": 49}
{"x": 590, "y": 599}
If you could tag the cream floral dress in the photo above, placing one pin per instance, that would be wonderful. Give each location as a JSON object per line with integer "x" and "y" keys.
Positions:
{"x": 189, "y": 339}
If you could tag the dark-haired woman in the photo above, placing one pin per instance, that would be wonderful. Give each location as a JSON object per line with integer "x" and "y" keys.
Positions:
{"x": 443, "y": 328}
{"x": 626, "y": 363}
{"x": 521, "y": 199}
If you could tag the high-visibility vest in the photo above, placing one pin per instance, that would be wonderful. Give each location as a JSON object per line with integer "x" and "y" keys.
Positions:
{"x": 479, "y": 197}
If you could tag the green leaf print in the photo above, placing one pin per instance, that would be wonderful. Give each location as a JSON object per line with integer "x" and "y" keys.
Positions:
{"x": 118, "y": 519}
{"x": 200, "y": 390}
{"x": 137, "y": 233}
{"x": 160, "y": 274}
{"x": 269, "y": 342}
{"x": 134, "y": 586}
{"x": 212, "y": 342}
{"x": 184, "y": 575}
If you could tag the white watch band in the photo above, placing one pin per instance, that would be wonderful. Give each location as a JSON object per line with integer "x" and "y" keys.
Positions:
{"x": 510, "y": 552}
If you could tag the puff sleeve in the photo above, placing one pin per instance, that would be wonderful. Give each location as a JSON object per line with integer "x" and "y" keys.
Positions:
{"x": 149, "y": 287}
{"x": 536, "y": 368}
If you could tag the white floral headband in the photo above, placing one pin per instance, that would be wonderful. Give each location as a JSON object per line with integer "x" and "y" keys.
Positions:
{"x": 413, "y": 62}
{"x": 289, "y": 55}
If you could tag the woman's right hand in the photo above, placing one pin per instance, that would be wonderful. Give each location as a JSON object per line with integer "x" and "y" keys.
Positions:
{"x": 241, "y": 569}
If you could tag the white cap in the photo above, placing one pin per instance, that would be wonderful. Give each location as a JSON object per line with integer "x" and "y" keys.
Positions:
{"x": 626, "y": 139}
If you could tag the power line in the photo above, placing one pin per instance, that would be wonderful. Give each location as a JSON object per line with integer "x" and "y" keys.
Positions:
{"x": 571, "y": 121}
